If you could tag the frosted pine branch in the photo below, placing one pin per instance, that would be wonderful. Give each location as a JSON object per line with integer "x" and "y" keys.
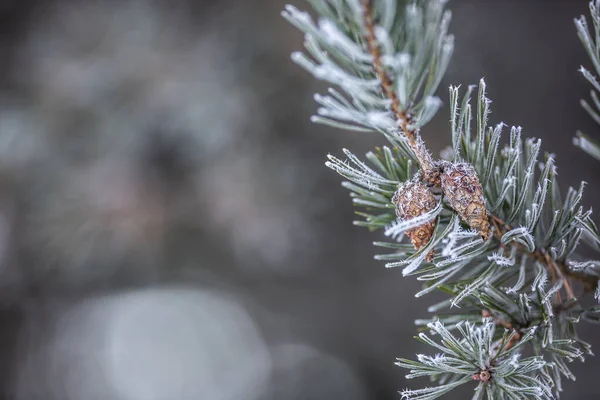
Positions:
{"x": 480, "y": 356}
{"x": 489, "y": 224}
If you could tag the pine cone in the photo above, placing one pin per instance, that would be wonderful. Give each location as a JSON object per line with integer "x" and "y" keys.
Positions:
{"x": 413, "y": 199}
{"x": 464, "y": 193}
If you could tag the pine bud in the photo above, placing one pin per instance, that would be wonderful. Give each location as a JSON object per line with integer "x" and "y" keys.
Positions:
{"x": 464, "y": 193}
{"x": 413, "y": 199}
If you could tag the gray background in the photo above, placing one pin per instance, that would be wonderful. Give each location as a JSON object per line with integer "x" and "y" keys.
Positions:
{"x": 167, "y": 227}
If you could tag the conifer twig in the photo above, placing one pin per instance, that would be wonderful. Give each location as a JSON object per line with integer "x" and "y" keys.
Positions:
{"x": 415, "y": 142}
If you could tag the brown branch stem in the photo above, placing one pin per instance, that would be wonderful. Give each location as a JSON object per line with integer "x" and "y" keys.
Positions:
{"x": 414, "y": 140}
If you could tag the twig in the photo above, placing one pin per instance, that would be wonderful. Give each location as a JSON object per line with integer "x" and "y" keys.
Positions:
{"x": 414, "y": 139}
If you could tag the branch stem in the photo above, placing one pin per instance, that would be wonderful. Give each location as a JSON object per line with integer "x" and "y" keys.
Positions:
{"x": 415, "y": 142}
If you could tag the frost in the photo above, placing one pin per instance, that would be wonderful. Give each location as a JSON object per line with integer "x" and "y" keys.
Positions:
{"x": 333, "y": 36}
{"x": 453, "y": 240}
{"x": 399, "y": 226}
{"x": 501, "y": 260}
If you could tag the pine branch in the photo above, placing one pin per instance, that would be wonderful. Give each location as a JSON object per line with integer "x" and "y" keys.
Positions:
{"x": 498, "y": 368}
{"x": 468, "y": 268}
{"x": 488, "y": 224}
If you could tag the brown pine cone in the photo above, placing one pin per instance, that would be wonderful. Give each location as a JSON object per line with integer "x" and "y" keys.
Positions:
{"x": 413, "y": 199}
{"x": 464, "y": 193}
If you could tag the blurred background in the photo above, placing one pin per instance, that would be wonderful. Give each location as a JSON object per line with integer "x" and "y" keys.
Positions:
{"x": 167, "y": 227}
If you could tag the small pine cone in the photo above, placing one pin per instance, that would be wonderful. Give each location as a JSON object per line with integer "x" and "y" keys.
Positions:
{"x": 413, "y": 199}
{"x": 464, "y": 193}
